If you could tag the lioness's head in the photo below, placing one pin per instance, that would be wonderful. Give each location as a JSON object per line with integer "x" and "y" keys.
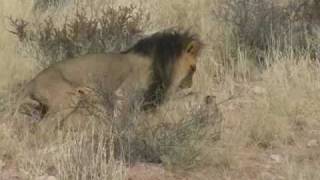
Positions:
{"x": 174, "y": 55}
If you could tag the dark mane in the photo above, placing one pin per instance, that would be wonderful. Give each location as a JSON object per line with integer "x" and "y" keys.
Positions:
{"x": 163, "y": 45}
{"x": 163, "y": 48}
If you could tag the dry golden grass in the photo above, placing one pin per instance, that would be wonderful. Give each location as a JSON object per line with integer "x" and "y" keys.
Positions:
{"x": 270, "y": 121}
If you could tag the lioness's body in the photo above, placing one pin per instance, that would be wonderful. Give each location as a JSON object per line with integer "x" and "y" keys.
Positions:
{"x": 156, "y": 66}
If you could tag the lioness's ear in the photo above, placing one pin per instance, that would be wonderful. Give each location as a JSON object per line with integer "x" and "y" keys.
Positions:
{"x": 194, "y": 47}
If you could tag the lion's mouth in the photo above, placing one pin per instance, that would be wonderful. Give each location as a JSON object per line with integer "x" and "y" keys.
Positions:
{"x": 187, "y": 81}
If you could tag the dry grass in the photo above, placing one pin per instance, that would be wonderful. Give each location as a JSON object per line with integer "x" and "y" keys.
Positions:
{"x": 273, "y": 110}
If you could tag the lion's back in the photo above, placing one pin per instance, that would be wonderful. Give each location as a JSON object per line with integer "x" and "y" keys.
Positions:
{"x": 106, "y": 70}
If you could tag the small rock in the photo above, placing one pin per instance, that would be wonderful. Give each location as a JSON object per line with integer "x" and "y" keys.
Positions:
{"x": 312, "y": 143}
{"x": 2, "y": 164}
{"x": 46, "y": 178}
{"x": 149, "y": 171}
{"x": 9, "y": 174}
{"x": 259, "y": 90}
{"x": 276, "y": 157}
{"x": 52, "y": 178}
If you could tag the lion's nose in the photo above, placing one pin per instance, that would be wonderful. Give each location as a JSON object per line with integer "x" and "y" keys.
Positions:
{"x": 193, "y": 68}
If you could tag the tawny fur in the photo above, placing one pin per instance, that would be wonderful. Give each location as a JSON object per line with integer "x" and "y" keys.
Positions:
{"x": 157, "y": 66}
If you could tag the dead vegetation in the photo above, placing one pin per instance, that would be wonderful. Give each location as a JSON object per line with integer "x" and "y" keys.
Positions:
{"x": 79, "y": 33}
{"x": 262, "y": 54}
{"x": 262, "y": 27}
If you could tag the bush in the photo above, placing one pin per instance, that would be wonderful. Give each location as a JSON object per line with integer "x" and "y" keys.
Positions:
{"x": 177, "y": 145}
{"x": 113, "y": 29}
{"x": 42, "y": 5}
{"x": 260, "y": 26}
{"x": 170, "y": 137}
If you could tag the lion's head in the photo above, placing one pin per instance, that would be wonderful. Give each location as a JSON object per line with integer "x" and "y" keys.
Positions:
{"x": 174, "y": 56}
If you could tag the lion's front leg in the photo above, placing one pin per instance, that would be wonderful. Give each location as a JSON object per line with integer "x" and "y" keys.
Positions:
{"x": 119, "y": 104}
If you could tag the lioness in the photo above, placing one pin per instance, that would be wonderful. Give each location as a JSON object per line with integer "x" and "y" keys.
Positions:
{"x": 157, "y": 65}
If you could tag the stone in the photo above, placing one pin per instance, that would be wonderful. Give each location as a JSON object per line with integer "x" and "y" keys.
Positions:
{"x": 46, "y": 178}
{"x": 259, "y": 90}
{"x": 276, "y": 158}
{"x": 312, "y": 143}
{"x": 149, "y": 171}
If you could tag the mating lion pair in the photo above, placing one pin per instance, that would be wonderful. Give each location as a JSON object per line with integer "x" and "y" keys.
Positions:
{"x": 158, "y": 66}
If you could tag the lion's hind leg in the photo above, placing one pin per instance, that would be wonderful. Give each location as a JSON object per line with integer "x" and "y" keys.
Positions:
{"x": 33, "y": 108}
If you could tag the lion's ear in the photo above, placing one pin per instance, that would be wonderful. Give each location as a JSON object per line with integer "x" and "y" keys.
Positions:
{"x": 194, "y": 47}
{"x": 83, "y": 91}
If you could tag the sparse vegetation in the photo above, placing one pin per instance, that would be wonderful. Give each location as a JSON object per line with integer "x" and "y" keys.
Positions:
{"x": 262, "y": 27}
{"x": 43, "y": 5}
{"x": 109, "y": 29}
{"x": 263, "y": 54}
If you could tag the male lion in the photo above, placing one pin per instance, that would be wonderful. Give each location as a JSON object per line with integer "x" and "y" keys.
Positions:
{"x": 158, "y": 66}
